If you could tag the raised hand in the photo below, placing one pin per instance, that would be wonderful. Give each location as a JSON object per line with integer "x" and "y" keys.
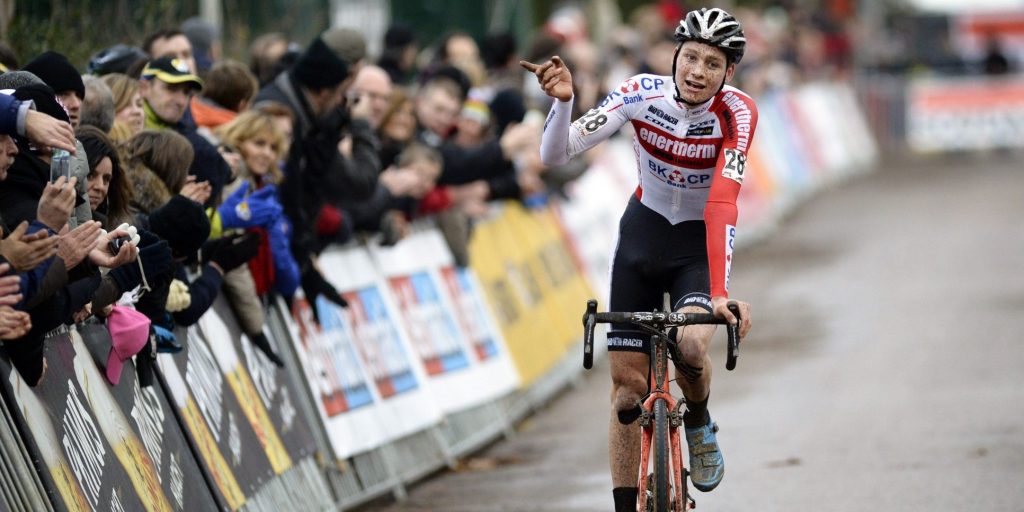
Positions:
{"x": 49, "y": 132}
{"x": 102, "y": 256}
{"x": 57, "y": 202}
{"x": 26, "y": 252}
{"x": 75, "y": 245}
{"x": 196, "y": 191}
{"x": 13, "y": 324}
{"x": 9, "y": 287}
{"x": 554, "y": 77}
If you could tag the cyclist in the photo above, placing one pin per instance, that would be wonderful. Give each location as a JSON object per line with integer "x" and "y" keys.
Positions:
{"x": 691, "y": 136}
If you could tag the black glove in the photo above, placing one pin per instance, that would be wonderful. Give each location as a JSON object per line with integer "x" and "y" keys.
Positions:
{"x": 314, "y": 284}
{"x": 231, "y": 252}
{"x": 262, "y": 343}
{"x": 157, "y": 261}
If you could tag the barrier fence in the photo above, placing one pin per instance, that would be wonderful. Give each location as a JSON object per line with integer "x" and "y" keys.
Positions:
{"x": 428, "y": 363}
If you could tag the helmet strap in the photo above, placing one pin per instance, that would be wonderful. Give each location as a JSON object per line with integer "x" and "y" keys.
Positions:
{"x": 675, "y": 85}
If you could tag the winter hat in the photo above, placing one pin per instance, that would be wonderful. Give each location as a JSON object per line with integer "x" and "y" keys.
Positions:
{"x": 476, "y": 110}
{"x": 57, "y": 72}
{"x": 183, "y": 223}
{"x": 129, "y": 332}
{"x": 15, "y": 79}
{"x": 201, "y": 34}
{"x": 320, "y": 68}
{"x": 45, "y": 100}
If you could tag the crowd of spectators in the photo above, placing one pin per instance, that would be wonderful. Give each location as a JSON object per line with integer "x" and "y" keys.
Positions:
{"x": 168, "y": 173}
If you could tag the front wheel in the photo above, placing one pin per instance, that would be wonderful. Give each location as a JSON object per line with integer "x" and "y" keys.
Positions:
{"x": 661, "y": 473}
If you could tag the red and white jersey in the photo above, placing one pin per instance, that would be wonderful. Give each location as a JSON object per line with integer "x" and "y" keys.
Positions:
{"x": 690, "y": 160}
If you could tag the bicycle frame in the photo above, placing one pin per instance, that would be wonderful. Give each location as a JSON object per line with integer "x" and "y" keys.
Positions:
{"x": 659, "y": 384}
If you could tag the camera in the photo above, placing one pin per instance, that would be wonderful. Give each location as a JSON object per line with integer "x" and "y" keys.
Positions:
{"x": 115, "y": 245}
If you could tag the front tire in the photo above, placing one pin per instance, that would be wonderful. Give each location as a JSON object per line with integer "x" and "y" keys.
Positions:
{"x": 662, "y": 475}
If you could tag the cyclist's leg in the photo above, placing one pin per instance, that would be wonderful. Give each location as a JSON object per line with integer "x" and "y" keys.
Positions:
{"x": 631, "y": 290}
{"x": 690, "y": 294}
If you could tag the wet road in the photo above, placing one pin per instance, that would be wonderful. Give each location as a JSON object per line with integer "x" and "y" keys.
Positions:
{"x": 885, "y": 370}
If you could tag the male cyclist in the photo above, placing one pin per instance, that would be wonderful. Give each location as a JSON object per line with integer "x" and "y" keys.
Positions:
{"x": 691, "y": 136}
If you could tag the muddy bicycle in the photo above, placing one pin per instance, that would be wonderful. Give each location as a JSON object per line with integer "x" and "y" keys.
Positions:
{"x": 662, "y": 478}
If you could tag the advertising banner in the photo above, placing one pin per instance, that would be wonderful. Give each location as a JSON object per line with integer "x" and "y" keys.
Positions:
{"x": 98, "y": 446}
{"x": 368, "y": 379}
{"x": 237, "y": 408}
{"x": 530, "y": 280}
{"x": 959, "y": 114}
{"x": 463, "y": 356}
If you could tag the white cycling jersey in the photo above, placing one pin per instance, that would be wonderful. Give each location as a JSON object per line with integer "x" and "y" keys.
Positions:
{"x": 690, "y": 160}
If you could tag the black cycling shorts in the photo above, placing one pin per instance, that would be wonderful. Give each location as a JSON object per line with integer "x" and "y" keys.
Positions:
{"x": 652, "y": 257}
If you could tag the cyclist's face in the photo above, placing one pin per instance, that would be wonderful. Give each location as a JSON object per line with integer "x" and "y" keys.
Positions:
{"x": 700, "y": 71}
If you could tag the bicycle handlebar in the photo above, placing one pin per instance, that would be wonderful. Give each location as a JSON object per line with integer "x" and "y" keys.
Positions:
{"x": 659, "y": 320}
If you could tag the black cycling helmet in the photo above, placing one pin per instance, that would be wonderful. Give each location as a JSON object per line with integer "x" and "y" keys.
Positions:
{"x": 713, "y": 27}
{"x": 116, "y": 59}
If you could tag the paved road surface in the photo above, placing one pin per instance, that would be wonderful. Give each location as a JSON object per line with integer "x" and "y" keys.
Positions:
{"x": 885, "y": 370}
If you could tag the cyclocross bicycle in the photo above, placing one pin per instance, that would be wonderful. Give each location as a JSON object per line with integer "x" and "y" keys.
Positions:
{"x": 662, "y": 479}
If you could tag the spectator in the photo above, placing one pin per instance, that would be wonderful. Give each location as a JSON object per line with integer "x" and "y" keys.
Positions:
{"x": 98, "y": 107}
{"x": 261, "y": 145}
{"x": 266, "y": 51}
{"x": 995, "y": 61}
{"x": 170, "y": 43}
{"x": 229, "y": 88}
{"x": 399, "y": 55}
{"x": 165, "y": 89}
{"x": 372, "y": 85}
{"x": 398, "y": 195}
{"x": 398, "y": 127}
{"x": 119, "y": 58}
{"x": 58, "y": 288}
{"x": 31, "y": 170}
{"x": 501, "y": 60}
{"x": 283, "y": 118}
{"x": 205, "y": 40}
{"x": 472, "y": 124}
{"x": 317, "y": 172}
{"x": 156, "y": 164}
{"x": 128, "y": 110}
{"x": 55, "y": 70}
{"x": 109, "y": 191}
{"x": 19, "y": 118}
{"x": 438, "y": 104}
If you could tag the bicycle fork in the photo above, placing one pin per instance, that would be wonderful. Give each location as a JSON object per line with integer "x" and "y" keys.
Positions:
{"x": 659, "y": 385}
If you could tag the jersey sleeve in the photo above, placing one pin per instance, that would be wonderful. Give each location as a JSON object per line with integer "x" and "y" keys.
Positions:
{"x": 738, "y": 119}
{"x": 562, "y": 141}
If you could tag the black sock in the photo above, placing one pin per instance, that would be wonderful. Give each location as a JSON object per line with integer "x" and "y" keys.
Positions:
{"x": 625, "y": 499}
{"x": 696, "y": 414}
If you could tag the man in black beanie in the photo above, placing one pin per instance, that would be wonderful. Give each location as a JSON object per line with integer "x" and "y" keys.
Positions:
{"x": 318, "y": 172}
{"x": 54, "y": 69}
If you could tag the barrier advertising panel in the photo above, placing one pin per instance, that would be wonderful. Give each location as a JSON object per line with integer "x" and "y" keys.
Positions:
{"x": 365, "y": 375}
{"x": 98, "y": 446}
{"x": 955, "y": 114}
{"x": 237, "y": 408}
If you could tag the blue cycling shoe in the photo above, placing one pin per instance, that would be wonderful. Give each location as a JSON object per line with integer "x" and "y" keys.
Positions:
{"x": 707, "y": 467}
